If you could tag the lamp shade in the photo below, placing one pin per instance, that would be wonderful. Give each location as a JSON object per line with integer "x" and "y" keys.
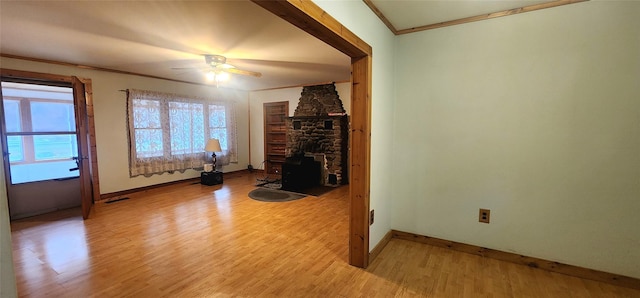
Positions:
{"x": 213, "y": 145}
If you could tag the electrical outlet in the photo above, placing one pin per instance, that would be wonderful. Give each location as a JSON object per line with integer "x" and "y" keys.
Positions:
{"x": 371, "y": 214}
{"x": 485, "y": 215}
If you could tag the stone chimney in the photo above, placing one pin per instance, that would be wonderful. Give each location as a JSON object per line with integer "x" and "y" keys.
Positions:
{"x": 320, "y": 128}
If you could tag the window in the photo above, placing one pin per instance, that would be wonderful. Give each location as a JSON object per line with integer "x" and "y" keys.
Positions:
{"x": 168, "y": 132}
{"x": 146, "y": 119}
{"x": 41, "y": 137}
{"x": 218, "y": 125}
{"x": 187, "y": 127}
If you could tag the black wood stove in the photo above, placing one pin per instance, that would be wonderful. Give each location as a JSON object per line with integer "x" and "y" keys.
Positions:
{"x": 300, "y": 172}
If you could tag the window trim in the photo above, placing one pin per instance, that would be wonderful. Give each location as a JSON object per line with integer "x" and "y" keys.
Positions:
{"x": 26, "y": 123}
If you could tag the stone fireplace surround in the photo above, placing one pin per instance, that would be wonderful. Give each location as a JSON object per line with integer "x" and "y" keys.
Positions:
{"x": 320, "y": 128}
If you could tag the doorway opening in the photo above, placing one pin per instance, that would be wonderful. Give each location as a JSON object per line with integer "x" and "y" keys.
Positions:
{"x": 310, "y": 18}
{"x": 42, "y": 147}
{"x": 48, "y": 143}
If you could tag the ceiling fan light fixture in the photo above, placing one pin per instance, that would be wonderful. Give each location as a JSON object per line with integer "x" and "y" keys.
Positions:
{"x": 223, "y": 76}
{"x": 217, "y": 76}
{"x": 210, "y": 75}
{"x": 219, "y": 71}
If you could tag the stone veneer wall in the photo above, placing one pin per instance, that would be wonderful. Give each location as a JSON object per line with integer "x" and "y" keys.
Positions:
{"x": 320, "y": 125}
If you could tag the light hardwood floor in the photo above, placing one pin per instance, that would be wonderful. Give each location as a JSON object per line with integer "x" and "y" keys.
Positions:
{"x": 191, "y": 240}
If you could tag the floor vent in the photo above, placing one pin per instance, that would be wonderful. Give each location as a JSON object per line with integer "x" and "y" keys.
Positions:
{"x": 117, "y": 200}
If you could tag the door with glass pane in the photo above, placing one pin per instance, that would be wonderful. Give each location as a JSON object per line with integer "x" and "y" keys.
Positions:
{"x": 42, "y": 148}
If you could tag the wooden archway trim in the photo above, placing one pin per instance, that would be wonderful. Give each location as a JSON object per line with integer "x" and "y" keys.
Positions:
{"x": 309, "y": 17}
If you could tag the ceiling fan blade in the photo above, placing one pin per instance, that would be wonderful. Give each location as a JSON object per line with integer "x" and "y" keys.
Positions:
{"x": 189, "y": 68}
{"x": 243, "y": 72}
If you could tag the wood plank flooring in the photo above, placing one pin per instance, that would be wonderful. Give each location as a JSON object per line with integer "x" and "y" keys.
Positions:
{"x": 191, "y": 240}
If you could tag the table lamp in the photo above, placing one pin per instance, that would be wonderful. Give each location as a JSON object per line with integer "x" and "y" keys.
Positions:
{"x": 213, "y": 146}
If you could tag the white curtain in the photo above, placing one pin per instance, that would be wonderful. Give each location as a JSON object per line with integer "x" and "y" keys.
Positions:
{"x": 222, "y": 126}
{"x": 168, "y": 132}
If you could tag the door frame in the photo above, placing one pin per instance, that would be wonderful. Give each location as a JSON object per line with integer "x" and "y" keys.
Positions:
{"x": 311, "y": 18}
{"x": 88, "y": 162}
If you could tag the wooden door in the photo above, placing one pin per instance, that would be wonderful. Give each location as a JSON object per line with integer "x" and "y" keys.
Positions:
{"x": 5, "y": 149}
{"x": 82, "y": 129}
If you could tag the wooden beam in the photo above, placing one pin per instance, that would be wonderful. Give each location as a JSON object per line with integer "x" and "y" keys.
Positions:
{"x": 307, "y": 16}
{"x": 489, "y": 16}
{"x": 360, "y": 156}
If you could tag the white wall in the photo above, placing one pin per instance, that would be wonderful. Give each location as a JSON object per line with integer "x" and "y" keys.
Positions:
{"x": 7, "y": 276}
{"x": 359, "y": 19}
{"x": 110, "y": 120}
{"x": 292, "y": 95}
{"x": 534, "y": 116}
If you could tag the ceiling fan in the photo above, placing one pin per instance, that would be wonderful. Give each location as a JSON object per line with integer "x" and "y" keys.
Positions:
{"x": 218, "y": 70}
{"x": 219, "y": 62}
